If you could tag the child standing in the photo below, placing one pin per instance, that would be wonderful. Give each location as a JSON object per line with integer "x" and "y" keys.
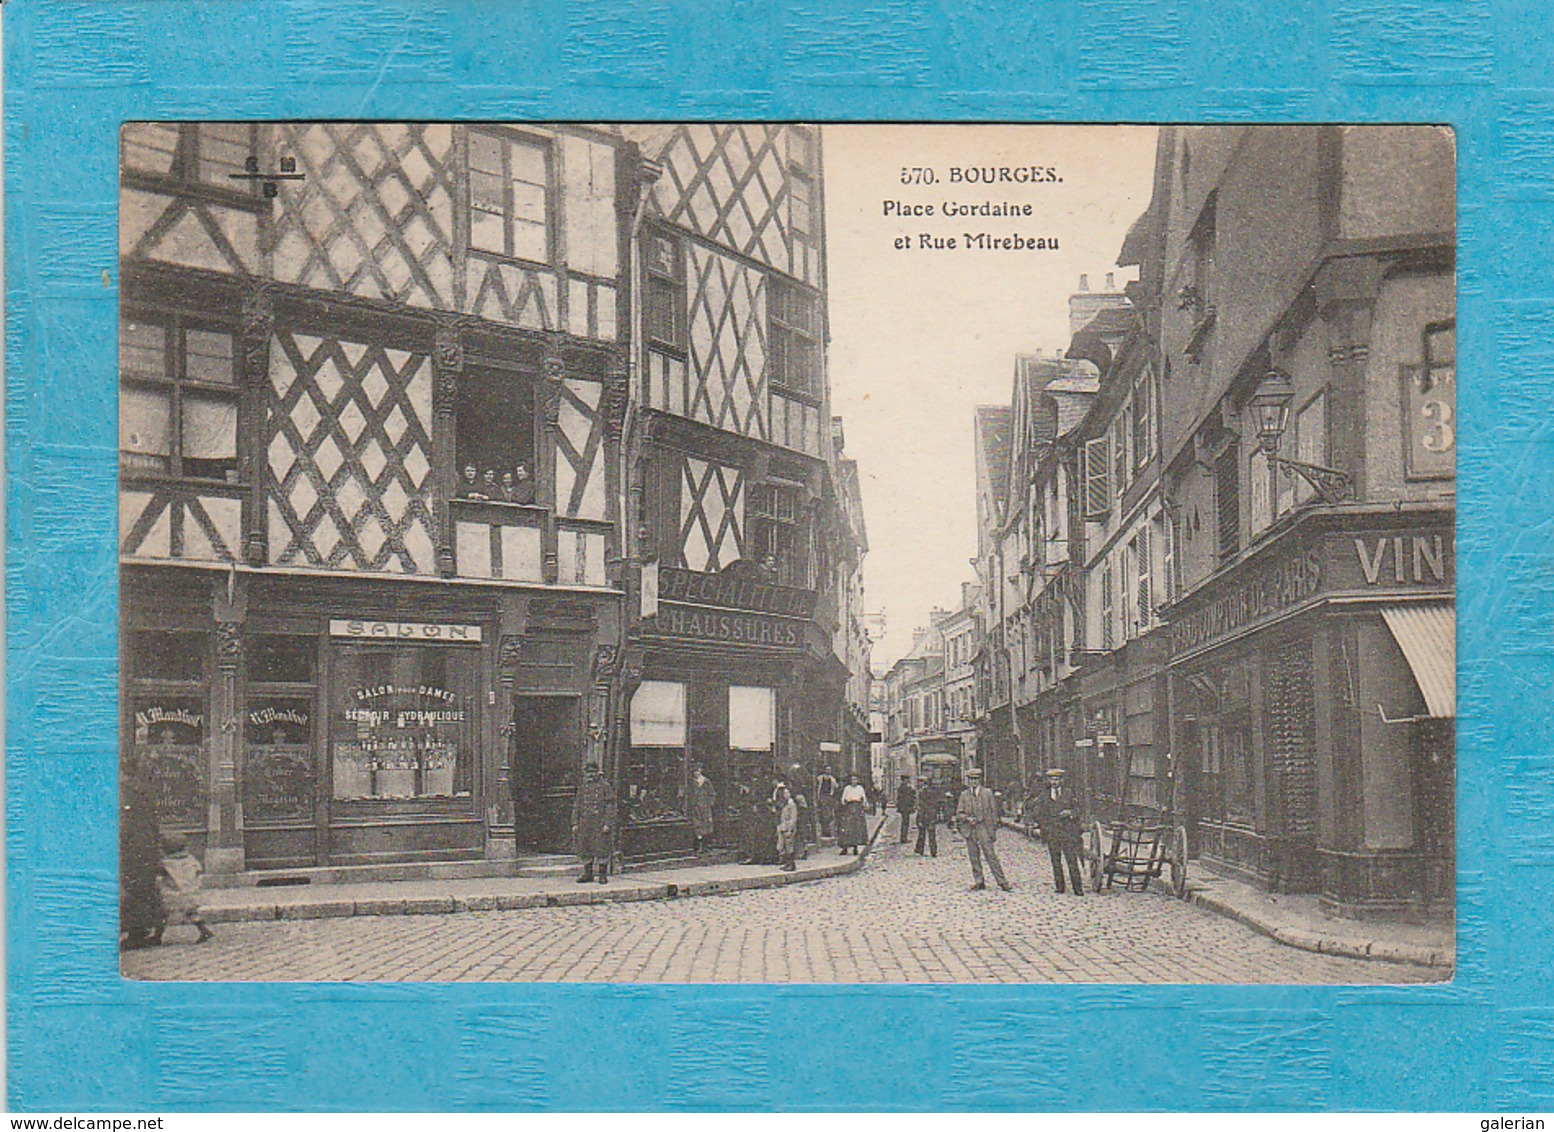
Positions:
{"x": 179, "y": 880}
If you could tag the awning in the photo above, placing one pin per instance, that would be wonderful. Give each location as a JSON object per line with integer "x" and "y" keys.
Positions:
{"x": 1427, "y": 634}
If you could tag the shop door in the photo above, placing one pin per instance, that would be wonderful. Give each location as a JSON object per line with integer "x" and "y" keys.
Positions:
{"x": 545, "y": 753}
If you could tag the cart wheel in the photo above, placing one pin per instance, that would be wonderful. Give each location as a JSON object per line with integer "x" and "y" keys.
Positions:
{"x": 1096, "y": 858}
{"x": 1177, "y": 855}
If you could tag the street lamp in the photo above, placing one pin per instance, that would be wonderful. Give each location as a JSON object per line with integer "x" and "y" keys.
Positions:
{"x": 1270, "y": 408}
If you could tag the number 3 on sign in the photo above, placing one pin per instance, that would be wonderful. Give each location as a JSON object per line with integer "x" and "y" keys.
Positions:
{"x": 1439, "y": 433}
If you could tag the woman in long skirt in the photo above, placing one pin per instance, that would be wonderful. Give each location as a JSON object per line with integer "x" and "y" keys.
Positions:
{"x": 852, "y": 831}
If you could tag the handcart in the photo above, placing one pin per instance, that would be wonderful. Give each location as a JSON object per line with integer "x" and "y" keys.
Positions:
{"x": 1131, "y": 844}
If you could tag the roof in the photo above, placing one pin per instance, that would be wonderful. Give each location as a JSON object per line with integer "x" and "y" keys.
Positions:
{"x": 1112, "y": 320}
{"x": 1132, "y": 252}
{"x": 993, "y": 422}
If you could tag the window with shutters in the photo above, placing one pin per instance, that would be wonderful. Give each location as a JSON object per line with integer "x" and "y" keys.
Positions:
{"x": 1120, "y": 455}
{"x": 1143, "y": 418}
{"x": 1227, "y": 502}
{"x": 1108, "y": 631}
{"x": 1166, "y": 532}
{"x": 1145, "y": 596}
{"x": 1098, "y": 489}
{"x": 1260, "y": 490}
{"x": 664, "y": 300}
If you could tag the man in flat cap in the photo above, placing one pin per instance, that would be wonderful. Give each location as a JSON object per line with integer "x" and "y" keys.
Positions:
{"x": 976, "y": 816}
{"x": 1060, "y": 826}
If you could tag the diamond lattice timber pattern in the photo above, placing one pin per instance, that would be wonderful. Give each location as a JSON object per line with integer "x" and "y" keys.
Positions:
{"x": 349, "y": 459}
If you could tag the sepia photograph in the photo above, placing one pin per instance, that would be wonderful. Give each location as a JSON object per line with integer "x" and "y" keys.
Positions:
{"x": 776, "y": 552}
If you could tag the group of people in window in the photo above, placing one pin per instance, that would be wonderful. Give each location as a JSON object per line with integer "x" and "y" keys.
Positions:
{"x": 496, "y": 485}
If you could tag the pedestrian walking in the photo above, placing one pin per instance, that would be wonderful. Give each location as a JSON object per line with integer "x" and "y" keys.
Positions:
{"x": 1060, "y": 826}
{"x": 787, "y": 828}
{"x": 702, "y": 803}
{"x": 853, "y": 830}
{"x": 906, "y": 804}
{"x": 929, "y": 799}
{"x": 140, "y": 852}
{"x": 179, "y": 881}
{"x": 593, "y": 825}
{"x": 977, "y": 816}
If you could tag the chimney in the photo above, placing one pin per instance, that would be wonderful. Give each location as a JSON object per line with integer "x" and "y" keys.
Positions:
{"x": 965, "y": 594}
{"x": 1111, "y": 281}
{"x": 1084, "y": 282}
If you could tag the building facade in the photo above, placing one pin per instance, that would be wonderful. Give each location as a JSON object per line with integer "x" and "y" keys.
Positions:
{"x": 380, "y": 510}
{"x": 1312, "y": 635}
{"x": 746, "y": 532}
{"x": 1245, "y": 542}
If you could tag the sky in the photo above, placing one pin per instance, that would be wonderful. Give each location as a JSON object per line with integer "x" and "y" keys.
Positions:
{"x": 921, "y": 337}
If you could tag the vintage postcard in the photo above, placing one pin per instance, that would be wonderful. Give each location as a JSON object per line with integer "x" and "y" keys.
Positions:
{"x": 616, "y": 556}
{"x": 782, "y": 552}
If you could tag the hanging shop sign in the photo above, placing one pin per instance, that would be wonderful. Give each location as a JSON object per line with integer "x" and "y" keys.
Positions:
{"x": 420, "y": 632}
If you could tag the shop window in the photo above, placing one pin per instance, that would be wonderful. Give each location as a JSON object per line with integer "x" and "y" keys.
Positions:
{"x": 405, "y": 724}
{"x": 281, "y": 659}
{"x": 278, "y": 773}
{"x": 169, "y": 742}
{"x": 795, "y": 357}
{"x": 509, "y": 212}
{"x": 207, "y": 155}
{"x": 752, "y": 718}
{"x": 495, "y": 437}
{"x": 167, "y": 720}
{"x": 778, "y": 535}
{"x": 664, "y": 302}
{"x": 278, "y": 770}
{"x": 179, "y": 398}
{"x": 654, "y": 780}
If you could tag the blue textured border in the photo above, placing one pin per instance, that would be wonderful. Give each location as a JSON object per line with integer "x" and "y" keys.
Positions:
{"x": 79, "y": 1038}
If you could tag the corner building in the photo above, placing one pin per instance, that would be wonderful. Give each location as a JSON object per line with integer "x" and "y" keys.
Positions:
{"x": 741, "y": 538}
{"x": 348, "y": 638}
{"x": 1312, "y": 626}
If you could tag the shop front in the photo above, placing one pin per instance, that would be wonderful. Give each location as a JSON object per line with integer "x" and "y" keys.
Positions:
{"x": 1313, "y": 705}
{"x": 719, "y": 677}
{"x": 296, "y": 722}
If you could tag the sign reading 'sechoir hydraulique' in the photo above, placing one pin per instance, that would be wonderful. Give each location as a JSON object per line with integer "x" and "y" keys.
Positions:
{"x": 408, "y": 631}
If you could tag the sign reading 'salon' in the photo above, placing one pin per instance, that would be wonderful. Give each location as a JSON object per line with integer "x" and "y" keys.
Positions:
{"x": 416, "y": 631}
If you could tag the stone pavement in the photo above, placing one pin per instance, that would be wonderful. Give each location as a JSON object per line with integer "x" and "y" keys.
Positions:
{"x": 898, "y": 919}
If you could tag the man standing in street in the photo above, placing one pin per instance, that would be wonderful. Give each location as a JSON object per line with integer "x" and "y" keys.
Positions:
{"x": 1060, "y": 826}
{"x": 929, "y": 799}
{"x": 593, "y": 825}
{"x": 976, "y": 815}
{"x": 906, "y": 802}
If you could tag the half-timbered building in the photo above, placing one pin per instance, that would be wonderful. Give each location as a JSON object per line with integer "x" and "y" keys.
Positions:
{"x": 739, "y": 537}
{"x": 372, "y": 382}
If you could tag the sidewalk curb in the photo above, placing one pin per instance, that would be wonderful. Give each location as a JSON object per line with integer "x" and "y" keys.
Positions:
{"x": 1413, "y": 954}
{"x": 325, "y": 908}
{"x": 1306, "y": 940}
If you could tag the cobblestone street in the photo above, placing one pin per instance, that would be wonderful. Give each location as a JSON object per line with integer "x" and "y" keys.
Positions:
{"x": 902, "y": 919}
